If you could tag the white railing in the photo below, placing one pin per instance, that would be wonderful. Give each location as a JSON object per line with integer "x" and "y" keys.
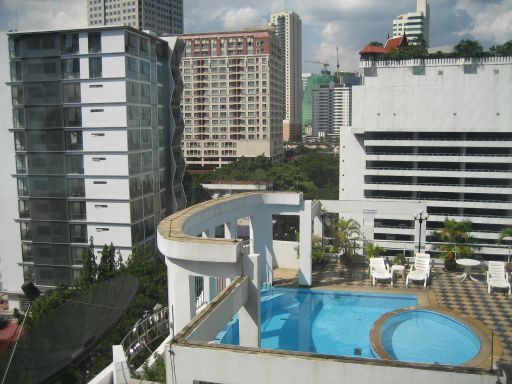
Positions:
{"x": 434, "y": 62}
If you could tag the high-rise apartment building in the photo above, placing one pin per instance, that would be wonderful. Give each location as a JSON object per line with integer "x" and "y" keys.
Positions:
{"x": 96, "y": 127}
{"x": 414, "y": 24}
{"x": 159, "y": 16}
{"x": 288, "y": 27}
{"x": 233, "y": 99}
{"x": 437, "y": 131}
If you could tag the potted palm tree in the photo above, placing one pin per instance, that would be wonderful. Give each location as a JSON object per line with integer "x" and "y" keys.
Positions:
{"x": 347, "y": 234}
{"x": 456, "y": 242}
{"x": 372, "y": 250}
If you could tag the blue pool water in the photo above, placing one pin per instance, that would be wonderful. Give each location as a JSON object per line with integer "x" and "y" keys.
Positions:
{"x": 428, "y": 337}
{"x": 326, "y": 322}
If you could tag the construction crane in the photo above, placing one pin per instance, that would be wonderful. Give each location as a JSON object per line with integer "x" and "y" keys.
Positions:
{"x": 325, "y": 64}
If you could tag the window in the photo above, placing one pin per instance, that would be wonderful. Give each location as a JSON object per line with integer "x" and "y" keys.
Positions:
{"x": 78, "y": 233}
{"x": 24, "y": 209}
{"x": 76, "y": 210}
{"x": 70, "y": 68}
{"x": 21, "y": 164}
{"x": 72, "y": 116}
{"x": 94, "y": 39}
{"x": 73, "y": 140}
{"x": 76, "y": 188}
{"x": 20, "y": 141}
{"x": 69, "y": 43}
{"x": 22, "y": 186}
{"x": 71, "y": 92}
{"x": 95, "y": 67}
{"x": 17, "y": 95}
{"x": 16, "y": 72}
{"x": 75, "y": 164}
{"x": 18, "y": 118}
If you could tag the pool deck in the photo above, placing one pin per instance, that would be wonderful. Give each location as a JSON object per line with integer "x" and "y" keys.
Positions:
{"x": 469, "y": 298}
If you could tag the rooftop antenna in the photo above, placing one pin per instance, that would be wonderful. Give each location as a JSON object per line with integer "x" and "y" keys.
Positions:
{"x": 16, "y": 25}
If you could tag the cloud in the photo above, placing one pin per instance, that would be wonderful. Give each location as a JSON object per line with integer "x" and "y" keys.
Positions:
{"x": 241, "y": 18}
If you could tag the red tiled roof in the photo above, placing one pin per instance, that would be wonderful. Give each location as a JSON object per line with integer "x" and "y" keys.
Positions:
{"x": 372, "y": 49}
{"x": 391, "y": 44}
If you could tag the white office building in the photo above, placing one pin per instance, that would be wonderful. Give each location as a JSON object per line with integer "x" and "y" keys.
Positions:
{"x": 437, "y": 131}
{"x": 288, "y": 27}
{"x": 331, "y": 109}
{"x": 159, "y": 16}
{"x": 413, "y": 24}
{"x": 96, "y": 128}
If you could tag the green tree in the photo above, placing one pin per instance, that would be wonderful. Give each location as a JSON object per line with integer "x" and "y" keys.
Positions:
{"x": 457, "y": 240}
{"x": 376, "y": 43}
{"x": 372, "y": 250}
{"x": 506, "y": 233}
{"x": 469, "y": 48}
{"x": 317, "y": 252}
{"x": 89, "y": 270}
{"x": 108, "y": 266}
{"x": 155, "y": 373}
{"x": 504, "y": 49}
{"x": 346, "y": 235}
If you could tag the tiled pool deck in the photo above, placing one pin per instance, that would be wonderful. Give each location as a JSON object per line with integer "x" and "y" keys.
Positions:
{"x": 469, "y": 298}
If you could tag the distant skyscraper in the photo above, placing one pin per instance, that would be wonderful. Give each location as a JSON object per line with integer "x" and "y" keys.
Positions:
{"x": 96, "y": 128}
{"x": 159, "y": 16}
{"x": 414, "y": 23}
{"x": 288, "y": 26}
{"x": 233, "y": 100}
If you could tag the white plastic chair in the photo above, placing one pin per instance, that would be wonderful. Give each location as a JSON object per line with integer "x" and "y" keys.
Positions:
{"x": 420, "y": 271}
{"x": 379, "y": 271}
{"x": 497, "y": 277}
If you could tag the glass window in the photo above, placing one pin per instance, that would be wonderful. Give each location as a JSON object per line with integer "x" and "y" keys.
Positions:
{"x": 22, "y": 186}
{"x": 75, "y": 164}
{"x": 24, "y": 209}
{"x": 144, "y": 70}
{"x": 21, "y": 164}
{"x": 132, "y": 68}
{"x": 18, "y": 118}
{"x": 149, "y": 227}
{"x": 137, "y": 232}
{"x": 147, "y": 161}
{"x": 94, "y": 39}
{"x": 20, "y": 141}
{"x": 44, "y": 117}
{"x": 149, "y": 205}
{"x": 73, "y": 140}
{"x": 76, "y": 188}
{"x": 47, "y": 186}
{"x": 71, "y": 92}
{"x": 72, "y": 116}
{"x": 147, "y": 183}
{"x": 14, "y": 47}
{"x": 78, "y": 233}
{"x": 146, "y": 138}
{"x": 76, "y": 255}
{"x": 16, "y": 72}
{"x": 50, "y": 140}
{"x": 135, "y": 187}
{"x": 76, "y": 210}
{"x": 136, "y": 210}
{"x": 69, "y": 43}
{"x": 134, "y": 163}
{"x": 70, "y": 68}
{"x": 26, "y": 253}
{"x": 144, "y": 47}
{"x": 17, "y": 95}
{"x": 131, "y": 43}
{"x": 95, "y": 67}
{"x": 26, "y": 231}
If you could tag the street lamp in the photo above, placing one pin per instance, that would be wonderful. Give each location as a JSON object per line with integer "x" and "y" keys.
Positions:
{"x": 420, "y": 217}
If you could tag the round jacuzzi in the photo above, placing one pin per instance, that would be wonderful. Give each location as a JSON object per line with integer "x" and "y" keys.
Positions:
{"x": 432, "y": 336}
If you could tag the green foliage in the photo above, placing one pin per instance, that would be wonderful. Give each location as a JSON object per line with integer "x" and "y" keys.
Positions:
{"x": 89, "y": 267}
{"x": 313, "y": 172}
{"x": 504, "y": 49}
{"x": 505, "y": 233}
{"x": 155, "y": 373}
{"x": 108, "y": 264}
{"x": 372, "y": 250}
{"x": 399, "y": 259}
{"x": 417, "y": 50}
{"x": 317, "y": 252}
{"x": 457, "y": 240}
{"x": 286, "y": 227}
{"x": 347, "y": 233}
{"x": 375, "y": 43}
{"x": 469, "y": 48}
{"x": 194, "y": 191}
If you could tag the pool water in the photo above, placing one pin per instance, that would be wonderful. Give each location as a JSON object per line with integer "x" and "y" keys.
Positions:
{"x": 324, "y": 322}
{"x": 428, "y": 337}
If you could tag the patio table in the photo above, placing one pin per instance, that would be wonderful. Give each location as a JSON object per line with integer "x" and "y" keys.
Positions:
{"x": 467, "y": 264}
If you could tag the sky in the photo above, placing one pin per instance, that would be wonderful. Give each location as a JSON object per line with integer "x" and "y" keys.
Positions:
{"x": 326, "y": 24}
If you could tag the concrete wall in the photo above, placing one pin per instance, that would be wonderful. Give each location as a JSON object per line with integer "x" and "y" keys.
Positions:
{"x": 244, "y": 367}
{"x": 286, "y": 254}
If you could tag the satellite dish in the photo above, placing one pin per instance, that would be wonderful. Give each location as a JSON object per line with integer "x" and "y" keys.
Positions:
{"x": 70, "y": 331}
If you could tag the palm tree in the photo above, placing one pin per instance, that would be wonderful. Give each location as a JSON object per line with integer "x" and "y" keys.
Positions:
{"x": 347, "y": 233}
{"x": 373, "y": 250}
{"x": 457, "y": 240}
{"x": 506, "y": 233}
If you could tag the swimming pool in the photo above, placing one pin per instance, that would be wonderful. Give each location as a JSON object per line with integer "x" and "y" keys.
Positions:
{"x": 325, "y": 322}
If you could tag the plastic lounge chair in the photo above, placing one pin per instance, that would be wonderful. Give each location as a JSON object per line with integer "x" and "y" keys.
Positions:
{"x": 425, "y": 256}
{"x": 378, "y": 270}
{"x": 497, "y": 277}
{"x": 420, "y": 271}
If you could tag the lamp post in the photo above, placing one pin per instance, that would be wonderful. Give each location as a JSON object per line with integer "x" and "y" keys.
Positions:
{"x": 420, "y": 217}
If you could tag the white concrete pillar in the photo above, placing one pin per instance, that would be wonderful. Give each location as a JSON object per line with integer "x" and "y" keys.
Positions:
{"x": 181, "y": 291}
{"x": 317, "y": 226}
{"x": 368, "y": 225}
{"x": 230, "y": 230}
{"x": 305, "y": 244}
{"x": 249, "y": 314}
{"x": 262, "y": 243}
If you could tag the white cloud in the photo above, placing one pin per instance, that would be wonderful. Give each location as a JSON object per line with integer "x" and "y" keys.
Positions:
{"x": 241, "y": 18}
